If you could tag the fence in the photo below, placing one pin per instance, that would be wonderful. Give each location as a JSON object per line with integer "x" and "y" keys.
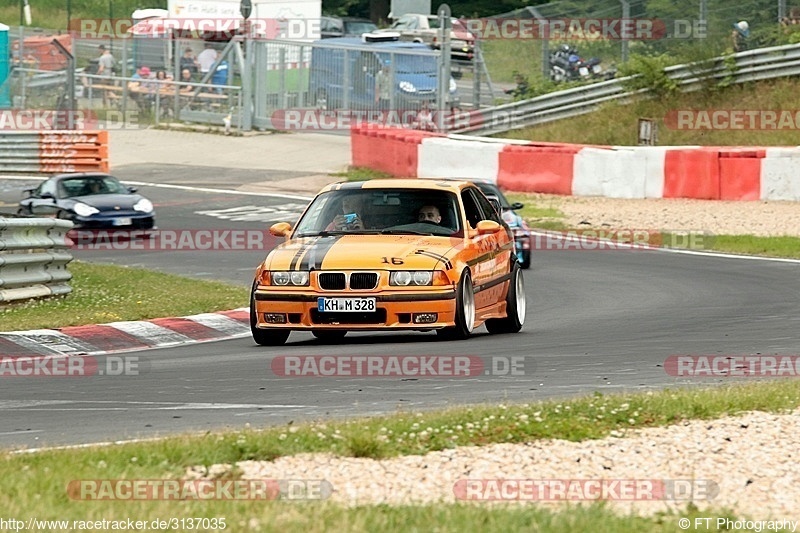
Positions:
{"x": 53, "y": 151}
{"x": 33, "y": 258}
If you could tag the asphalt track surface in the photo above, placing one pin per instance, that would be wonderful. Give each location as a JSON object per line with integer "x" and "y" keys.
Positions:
{"x": 597, "y": 321}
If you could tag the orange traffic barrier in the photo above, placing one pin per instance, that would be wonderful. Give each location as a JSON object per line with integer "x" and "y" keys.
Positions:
{"x": 740, "y": 174}
{"x": 547, "y": 169}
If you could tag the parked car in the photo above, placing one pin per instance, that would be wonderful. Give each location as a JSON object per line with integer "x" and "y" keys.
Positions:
{"x": 415, "y": 74}
{"x": 425, "y": 29}
{"x": 91, "y": 200}
{"x": 390, "y": 255}
{"x": 331, "y": 27}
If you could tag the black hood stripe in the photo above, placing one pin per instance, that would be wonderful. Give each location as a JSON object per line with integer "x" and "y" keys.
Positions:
{"x": 313, "y": 258}
{"x": 300, "y": 253}
{"x": 447, "y": 264}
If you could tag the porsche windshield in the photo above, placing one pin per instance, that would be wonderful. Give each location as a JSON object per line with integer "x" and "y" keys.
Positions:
{"x": 382, "y": 211}
{"x": 90, "y": 185}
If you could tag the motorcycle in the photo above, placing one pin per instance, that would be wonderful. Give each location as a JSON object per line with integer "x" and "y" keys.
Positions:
{"x": 567, "y": 65}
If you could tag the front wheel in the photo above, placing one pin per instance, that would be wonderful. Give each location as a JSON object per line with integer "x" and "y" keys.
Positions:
{"x": 515, "y": 306}
{"x": 265, "y": 337}
{"x": 465, "y": 311}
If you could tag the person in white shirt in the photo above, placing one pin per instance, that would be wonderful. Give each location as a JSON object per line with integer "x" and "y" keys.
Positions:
{"x": 206, "y": 58}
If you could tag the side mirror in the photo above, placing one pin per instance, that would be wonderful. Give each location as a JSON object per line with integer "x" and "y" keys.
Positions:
{"x": 47, "y": 196}
{"x": 132, "y": 189}
{"x": 517, "y": 205}
{"x": 485, "y": 227}
{"x": 281, "y": 229}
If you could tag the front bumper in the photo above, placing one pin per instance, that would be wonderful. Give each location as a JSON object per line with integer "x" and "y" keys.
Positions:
{"x": 394, "y": 310}
{"x": 103, "y": 221}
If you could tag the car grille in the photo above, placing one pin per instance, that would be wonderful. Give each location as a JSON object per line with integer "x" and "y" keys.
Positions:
{"x": 332, "y": 281}
{"x": 338, "y": 281}
{"x": 360, "y": 281}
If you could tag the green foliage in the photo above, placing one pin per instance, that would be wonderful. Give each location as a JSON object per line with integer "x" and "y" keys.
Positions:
{"x": 648, "y": 73}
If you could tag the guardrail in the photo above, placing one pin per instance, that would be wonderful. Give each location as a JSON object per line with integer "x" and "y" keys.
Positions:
{"x": 33, "y": 258}
{"x": 53, "y": 151}
{"x": 751, "y": 65}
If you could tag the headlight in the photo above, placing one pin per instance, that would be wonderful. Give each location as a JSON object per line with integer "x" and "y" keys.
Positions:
{"x": 280, "y": 278}
{"x": 453, "y": 86}
{"x": 144, "y": 205}
{"x": 407, "y": 86}
{"x": 411, "y": 277}
{"x": 295, "y": 277}
{"x": 84, "y": 210}
{"x": 299, "y": 278}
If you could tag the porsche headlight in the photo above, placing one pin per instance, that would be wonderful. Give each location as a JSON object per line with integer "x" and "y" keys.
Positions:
{"x": 407, "y": 86}
{"x": 144, "y": 205}
{"x": 83, "y": 210}
{"x": 404, "y": 278}
{"x": 295, "y": 277}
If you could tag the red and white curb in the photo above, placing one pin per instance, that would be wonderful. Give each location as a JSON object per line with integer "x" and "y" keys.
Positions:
{"x": 127, "y": 336}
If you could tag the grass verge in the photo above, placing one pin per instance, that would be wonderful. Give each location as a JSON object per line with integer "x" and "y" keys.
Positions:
{"x": 362, "y": 174}
{"x": 108, "y": 293}
{"x": 615, "y": 124}
{"x": 38, "y": 487}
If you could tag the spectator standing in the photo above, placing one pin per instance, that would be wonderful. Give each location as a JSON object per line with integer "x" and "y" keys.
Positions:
{"x": 220, "y": 76}
{"x": 741, "y": 31}
{"x": 105, "y": 69}
{"x": 106, "y": 63}
{"x": 383, "y": 88}
{"x": 207, "y": 58}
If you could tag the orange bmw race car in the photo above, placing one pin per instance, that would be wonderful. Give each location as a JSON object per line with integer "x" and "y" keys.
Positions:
{"x": 390, "y": 255}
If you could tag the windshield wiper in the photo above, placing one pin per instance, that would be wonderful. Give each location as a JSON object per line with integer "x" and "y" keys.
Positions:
{"x": 331, "y": 233}
{"x": 405, "y": 232}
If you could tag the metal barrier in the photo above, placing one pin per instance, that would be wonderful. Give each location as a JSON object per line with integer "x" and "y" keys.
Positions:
{"x": 33, "y": 258}
{"x": 752, "y": 65}
{"x": 53, "y": 151}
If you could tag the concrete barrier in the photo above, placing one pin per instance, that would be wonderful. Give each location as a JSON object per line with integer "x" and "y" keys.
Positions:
{"x": 713, "y": 173}
{"x": 451, "y": 158}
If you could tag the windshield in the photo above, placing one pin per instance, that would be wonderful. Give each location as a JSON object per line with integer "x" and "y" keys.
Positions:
{"x": 90, "y": 185}
{"x": 490, "y": 189}
{"x": 382, "y": 211}
{"x": 413, "y": 64}
{"x": 357, "y": 28}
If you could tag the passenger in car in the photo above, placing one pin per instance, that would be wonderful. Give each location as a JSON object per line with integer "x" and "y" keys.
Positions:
{"x": 351, "y": 217}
